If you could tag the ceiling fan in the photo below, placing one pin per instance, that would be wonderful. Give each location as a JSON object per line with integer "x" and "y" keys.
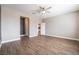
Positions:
{"x": 42, "y": 10}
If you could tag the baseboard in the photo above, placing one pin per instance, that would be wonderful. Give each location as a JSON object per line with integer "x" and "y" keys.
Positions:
{"x": 36, "y": 35}
{"x": 33, "y": 36}
{"x": 63, "y": 37}
{"x": 23, "y": 35}
{"x": 14, "y": 40}
{"x": 9, "y": 40}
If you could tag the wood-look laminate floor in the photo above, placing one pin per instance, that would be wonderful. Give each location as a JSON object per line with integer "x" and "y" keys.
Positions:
{"x": 41, "y": 45}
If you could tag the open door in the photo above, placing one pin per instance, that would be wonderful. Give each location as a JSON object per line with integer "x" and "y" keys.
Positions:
{"x": 41, "y": 29}
{"x": 24, "y": 26}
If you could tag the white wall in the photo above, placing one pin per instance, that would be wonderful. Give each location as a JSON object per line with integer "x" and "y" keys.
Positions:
{"x": 34, "y": 21}
{"x": 10, "y": 23}
{"x": 63, "y": 25}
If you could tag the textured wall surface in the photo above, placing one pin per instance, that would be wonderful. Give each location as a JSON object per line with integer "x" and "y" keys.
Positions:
{"x": 63, "y": 25}
{"x": 10, "y": 23}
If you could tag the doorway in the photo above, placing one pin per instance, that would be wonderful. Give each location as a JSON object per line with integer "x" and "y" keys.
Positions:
{"x": 39, "y": 29}
{"x": 24, "y": 26}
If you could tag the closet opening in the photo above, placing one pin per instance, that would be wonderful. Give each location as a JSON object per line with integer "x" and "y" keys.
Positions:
{"x": 24, "y": 26}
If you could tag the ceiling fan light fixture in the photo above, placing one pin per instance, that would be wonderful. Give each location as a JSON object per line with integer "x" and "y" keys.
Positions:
{"x": 43, "y": 12}
{"x": 43, "y": 9}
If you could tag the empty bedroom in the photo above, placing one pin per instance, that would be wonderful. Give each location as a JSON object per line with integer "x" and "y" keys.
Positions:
{"x": 39, "y": 29}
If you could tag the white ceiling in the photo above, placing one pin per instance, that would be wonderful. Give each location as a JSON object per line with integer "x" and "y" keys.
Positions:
{"x": 56, "y": 9}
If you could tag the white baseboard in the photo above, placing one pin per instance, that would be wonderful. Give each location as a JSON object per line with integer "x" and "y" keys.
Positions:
{"x": 63, "y": 37}
{"x": 33, "y": 36}
{"x": 9, "y": 40}
{"x": 36, "y": 35}
{"x": 23, "y": 35}
{"x": 13, "y": 40}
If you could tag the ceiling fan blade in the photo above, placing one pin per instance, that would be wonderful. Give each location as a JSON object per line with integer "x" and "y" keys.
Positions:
{"x": 41, "y": 7}
{"x": 33, "y": 13}
{"x": 48, "y": 8}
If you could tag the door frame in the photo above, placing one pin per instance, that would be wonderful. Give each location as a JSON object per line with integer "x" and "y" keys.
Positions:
{"x": 0, "y": 26}
{"x": 28, "y": 25}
